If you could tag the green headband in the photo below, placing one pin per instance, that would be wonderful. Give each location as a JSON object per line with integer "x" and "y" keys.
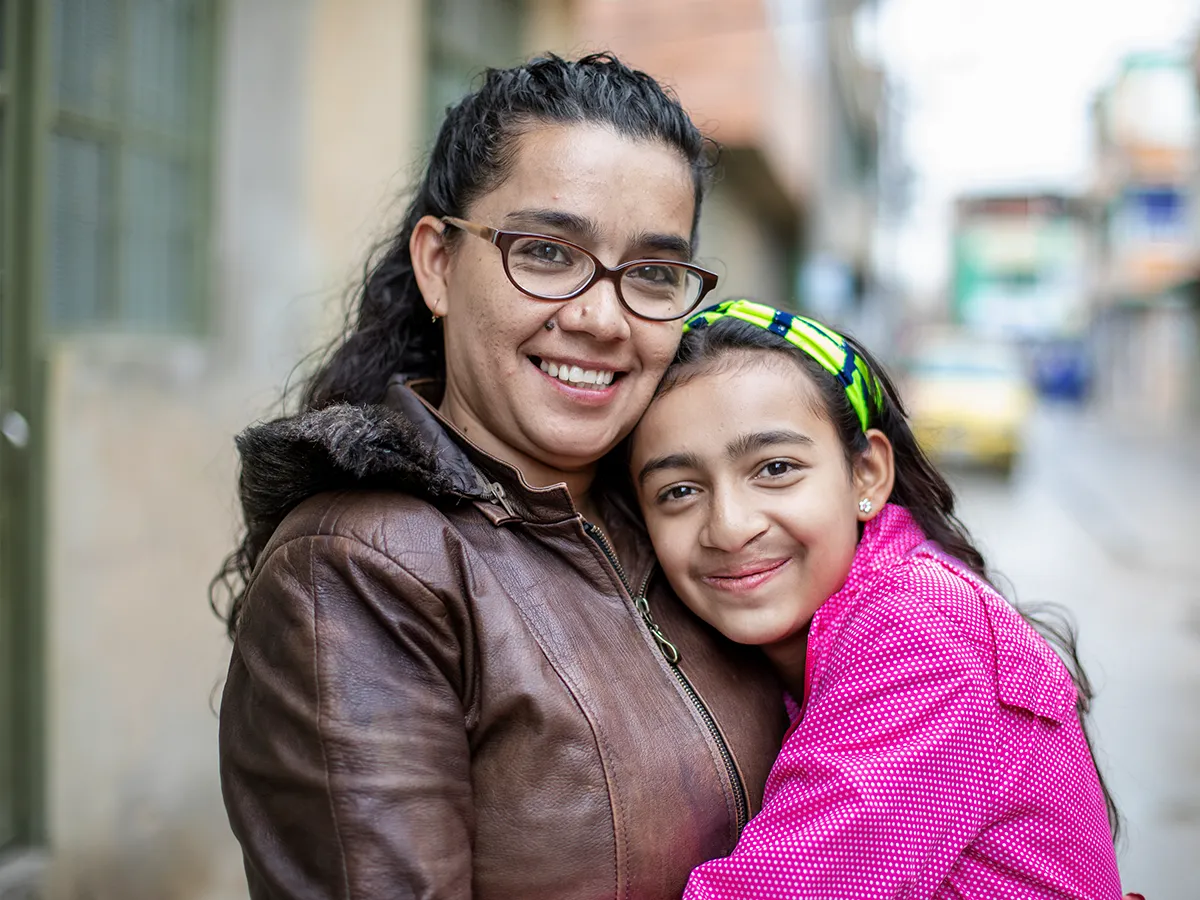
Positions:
{"x": 827, "y": 347}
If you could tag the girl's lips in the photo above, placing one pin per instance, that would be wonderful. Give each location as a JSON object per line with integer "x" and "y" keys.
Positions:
{"x": 747, "y": 578}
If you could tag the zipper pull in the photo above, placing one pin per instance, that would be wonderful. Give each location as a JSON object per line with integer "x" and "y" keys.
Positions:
{"x": 669, "y": 650}
{"x": 495, "y": 490}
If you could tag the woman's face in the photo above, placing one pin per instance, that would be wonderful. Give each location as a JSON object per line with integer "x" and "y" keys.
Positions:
{"x": 748, "y": 498}
{"x": 620, "y": 198}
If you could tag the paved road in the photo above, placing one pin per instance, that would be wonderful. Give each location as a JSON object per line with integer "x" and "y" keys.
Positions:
{"x": 1105, "y": 519}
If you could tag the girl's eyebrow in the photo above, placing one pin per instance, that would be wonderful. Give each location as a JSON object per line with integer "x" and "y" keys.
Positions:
{"x": 739, "y": 446}
{"x": 671, "y": 461}
{"x": 758, "y": 440}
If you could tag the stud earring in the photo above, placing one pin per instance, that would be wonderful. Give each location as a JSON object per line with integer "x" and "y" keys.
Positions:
{"x": 549, "y": 326}
{"x": 865, "y": 506}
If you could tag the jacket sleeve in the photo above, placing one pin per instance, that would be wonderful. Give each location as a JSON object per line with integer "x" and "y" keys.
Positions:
{"x": 894, "y": 765}
{"x": 343, "y": 749}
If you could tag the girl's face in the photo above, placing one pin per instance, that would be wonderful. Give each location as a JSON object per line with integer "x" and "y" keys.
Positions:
{"x": 749, "y": 500}
{"x": 620, "y": 198}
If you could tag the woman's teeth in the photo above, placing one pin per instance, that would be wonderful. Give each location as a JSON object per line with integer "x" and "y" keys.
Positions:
{"x": 576, "y": 375}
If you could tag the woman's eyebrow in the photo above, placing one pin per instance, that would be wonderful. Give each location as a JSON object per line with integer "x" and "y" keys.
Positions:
{"x": 650, "y": 243}
{"x": 581, "y": 228}
{"x": 671, "y": 461}
{"x": 586, "y": 231}
{"x": 759, "y": 440}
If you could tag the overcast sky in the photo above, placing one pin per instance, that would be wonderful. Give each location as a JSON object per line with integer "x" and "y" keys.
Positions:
{"x": 998, "y": 93}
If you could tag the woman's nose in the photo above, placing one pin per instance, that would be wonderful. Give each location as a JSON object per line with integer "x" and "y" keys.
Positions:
{"x": 598, "y": 312}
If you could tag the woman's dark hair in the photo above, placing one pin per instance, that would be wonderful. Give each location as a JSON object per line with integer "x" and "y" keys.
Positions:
{"x": 388, "y": 328}
{"x": 919, "y": 486}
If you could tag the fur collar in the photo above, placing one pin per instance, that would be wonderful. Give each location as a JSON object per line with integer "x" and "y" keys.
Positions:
{"x": 343, "y": 446}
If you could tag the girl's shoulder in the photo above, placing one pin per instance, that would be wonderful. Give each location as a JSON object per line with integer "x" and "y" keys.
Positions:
{"x": 931, "y": 602}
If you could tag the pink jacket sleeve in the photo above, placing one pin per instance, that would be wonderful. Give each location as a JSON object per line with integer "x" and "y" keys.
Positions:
{"x": 896, "y": 764}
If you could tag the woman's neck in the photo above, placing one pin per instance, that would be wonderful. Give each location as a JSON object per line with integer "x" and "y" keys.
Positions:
{"x": 536, "y": 473}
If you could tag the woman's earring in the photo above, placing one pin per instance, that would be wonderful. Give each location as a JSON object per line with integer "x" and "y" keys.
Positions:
{"x": 865, "y": 506}
{"x": 549, "y": 326}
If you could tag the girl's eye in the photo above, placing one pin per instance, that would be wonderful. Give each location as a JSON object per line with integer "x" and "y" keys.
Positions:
{"x": 777, "y": 468}
{"x": 676, "y": 493}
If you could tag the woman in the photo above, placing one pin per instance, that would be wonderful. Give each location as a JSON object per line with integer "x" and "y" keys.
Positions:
{"x": 454, "y": 672}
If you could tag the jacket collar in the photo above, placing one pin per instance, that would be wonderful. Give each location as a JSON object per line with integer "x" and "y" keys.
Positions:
{"x": 401, "y": 444}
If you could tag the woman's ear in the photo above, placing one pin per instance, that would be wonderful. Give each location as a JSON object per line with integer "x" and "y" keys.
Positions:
{"x": 874, "y": 475}
{"x": 431, "y": 263}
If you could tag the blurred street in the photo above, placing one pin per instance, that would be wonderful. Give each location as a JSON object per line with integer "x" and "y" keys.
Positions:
{"x": 1102, "y": 518}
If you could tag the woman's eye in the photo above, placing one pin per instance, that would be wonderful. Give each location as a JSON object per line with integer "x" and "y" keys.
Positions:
{"x": 545, "y": 251}
{"x": 658, "y": 275}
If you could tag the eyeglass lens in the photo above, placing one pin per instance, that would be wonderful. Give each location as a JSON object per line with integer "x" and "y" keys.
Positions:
{"x": 549, "y": 269}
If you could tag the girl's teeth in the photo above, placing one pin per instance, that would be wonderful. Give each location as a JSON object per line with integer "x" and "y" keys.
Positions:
{"x": 576, "y": 373}
{"x": 552, "y": 369}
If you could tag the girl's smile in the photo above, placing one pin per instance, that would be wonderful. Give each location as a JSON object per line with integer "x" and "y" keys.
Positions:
{"x": 746, "y": 577}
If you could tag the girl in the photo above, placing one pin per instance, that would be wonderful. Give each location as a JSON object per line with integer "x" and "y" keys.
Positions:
{"x": 936, "y": 748}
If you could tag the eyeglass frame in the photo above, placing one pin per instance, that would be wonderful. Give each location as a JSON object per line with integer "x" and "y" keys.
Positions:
{"x": 503, "y": 241}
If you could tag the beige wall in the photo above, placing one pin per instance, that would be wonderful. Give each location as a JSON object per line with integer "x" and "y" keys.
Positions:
{"x": 319, "y": 115}
{"x": 738, "y": 244}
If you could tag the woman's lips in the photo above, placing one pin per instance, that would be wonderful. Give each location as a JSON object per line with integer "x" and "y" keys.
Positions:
{"x": 746, "y": 578}
{"x": 582, "y": 393}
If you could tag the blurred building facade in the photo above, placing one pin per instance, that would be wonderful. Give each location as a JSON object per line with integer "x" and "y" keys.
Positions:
{"x": 723, "y": 59}
{"x": 1147, "y": 198}
{"x": 187, "y": 190}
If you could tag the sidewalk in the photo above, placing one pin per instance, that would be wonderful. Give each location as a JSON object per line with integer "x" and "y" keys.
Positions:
{"x": 1134, "y": 489}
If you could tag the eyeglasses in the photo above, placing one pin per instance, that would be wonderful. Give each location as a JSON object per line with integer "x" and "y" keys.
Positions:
{"x": 547, "y": 268}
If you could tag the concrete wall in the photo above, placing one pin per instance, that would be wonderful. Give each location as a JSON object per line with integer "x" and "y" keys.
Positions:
{"x": 318, "y": 107}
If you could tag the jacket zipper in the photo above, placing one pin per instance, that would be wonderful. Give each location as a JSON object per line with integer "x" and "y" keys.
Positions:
{"x": 494, "y": 490}
{"x": 671, "y": 652}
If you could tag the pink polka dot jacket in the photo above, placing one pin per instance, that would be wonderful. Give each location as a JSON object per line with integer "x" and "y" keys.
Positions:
{"x": 936, "y": 754}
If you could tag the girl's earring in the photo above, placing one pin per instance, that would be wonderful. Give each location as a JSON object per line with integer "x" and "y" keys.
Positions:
{"x": 549, "y": 326}
{"x": 865, "y": 506}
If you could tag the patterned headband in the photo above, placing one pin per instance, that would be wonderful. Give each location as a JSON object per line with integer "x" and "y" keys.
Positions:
{"x": 827, "y": 347}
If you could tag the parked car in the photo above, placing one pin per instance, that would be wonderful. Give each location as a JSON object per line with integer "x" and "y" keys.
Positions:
{"x": 1061, "y": 369}
{"x": 969, "y": 401}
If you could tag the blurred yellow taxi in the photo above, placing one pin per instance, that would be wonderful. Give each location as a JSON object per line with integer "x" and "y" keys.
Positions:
{"x": 968, "y": 402}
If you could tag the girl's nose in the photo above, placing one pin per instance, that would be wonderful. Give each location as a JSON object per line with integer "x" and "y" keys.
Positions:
{"x": 732, "y": 524}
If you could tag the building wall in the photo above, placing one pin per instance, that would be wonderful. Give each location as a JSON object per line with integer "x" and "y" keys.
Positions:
{"x": 724, "y": 60}
{"x": 319, "y": 113}
{"x": 740, "y": 245}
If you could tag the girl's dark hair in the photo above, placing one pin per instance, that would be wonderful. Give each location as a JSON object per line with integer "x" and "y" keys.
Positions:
{"x": 919, "y": 486}
{"x": 388, "y": 328}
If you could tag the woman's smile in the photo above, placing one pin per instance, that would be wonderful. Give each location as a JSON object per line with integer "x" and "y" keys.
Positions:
{"x": 578, "y": 373}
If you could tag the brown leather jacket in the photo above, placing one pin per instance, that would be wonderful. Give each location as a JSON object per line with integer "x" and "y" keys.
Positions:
{"x": 442, "y": 685}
